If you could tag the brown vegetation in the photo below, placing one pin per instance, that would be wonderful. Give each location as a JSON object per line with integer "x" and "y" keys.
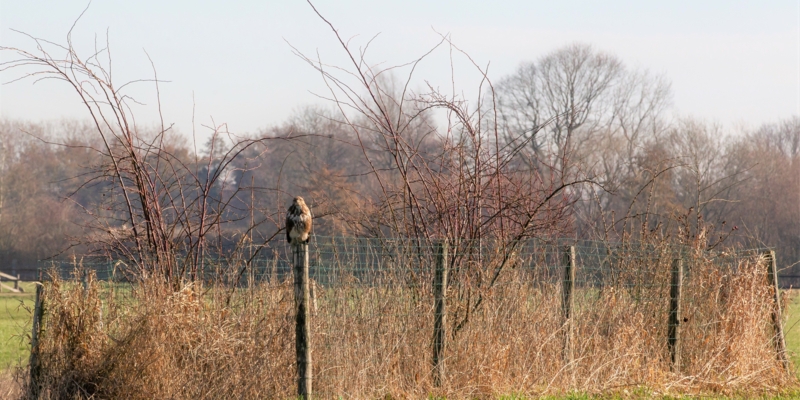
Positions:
{"x": 373, "y": 321}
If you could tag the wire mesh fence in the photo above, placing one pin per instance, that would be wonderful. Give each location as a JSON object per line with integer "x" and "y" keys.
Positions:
{"x": 533, "y": 316}
{"x": 409, "y": 261}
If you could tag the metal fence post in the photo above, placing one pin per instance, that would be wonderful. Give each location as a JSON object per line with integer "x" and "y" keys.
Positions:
{"x": 439, "y": 324}
{"x": 674, "y": 319}
{"x": 302, "y": 320}
{"x": 772, "y": 280}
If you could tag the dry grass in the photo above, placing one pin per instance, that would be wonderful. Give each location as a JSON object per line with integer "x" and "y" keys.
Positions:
{"x": 374, "y": 340}
{"x": 10, "y": 388}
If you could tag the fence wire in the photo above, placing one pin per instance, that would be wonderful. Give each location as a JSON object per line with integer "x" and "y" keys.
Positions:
{"x": 373, "y": 306}
{"x": 641, "y": 272}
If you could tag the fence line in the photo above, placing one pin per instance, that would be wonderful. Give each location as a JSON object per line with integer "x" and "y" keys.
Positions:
{"x": 664, "y": 298}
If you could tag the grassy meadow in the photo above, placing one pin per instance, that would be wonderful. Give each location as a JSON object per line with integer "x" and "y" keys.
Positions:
{"x": 792, "y": 327}
{"x": 15, "y": 317}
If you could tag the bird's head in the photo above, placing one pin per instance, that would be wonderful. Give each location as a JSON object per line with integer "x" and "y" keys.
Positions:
{"x": 299, "y": 201}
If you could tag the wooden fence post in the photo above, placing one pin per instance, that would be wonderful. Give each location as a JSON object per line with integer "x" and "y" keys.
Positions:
{"x": 302, "y": 320}
{"x": 772, "y": 280}
{"x": 567, "y": 299}
{"x": 674, "y": 319}
{"x": 439, "y": 323}
{"x": 36, "y": 327}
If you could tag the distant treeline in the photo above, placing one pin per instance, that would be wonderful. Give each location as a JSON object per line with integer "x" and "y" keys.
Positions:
{"x": 576, "y": 111}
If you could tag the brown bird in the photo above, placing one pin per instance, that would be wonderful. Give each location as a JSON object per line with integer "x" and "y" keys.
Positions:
{"x": 298, "y": 222}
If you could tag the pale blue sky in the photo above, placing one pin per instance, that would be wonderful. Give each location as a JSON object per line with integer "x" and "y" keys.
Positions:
{"x": 732, "y": 62}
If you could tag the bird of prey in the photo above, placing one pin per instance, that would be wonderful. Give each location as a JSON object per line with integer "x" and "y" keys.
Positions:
{"x": 298, "y": 222}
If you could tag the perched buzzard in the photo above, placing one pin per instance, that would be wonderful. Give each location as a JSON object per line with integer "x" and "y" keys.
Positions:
{"x": 298, "y": 222}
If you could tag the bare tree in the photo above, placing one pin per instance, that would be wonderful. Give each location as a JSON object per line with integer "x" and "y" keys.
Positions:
{"x": 460, "y": 181}
{"x": 585, "y": 103}
{"x": 165, "y": 207}
{"x": 545, "y": 103}
{"x": 764, "y": 208}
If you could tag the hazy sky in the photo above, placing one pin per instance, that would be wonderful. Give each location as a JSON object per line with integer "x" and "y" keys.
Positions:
{"x": 733, "y": 62}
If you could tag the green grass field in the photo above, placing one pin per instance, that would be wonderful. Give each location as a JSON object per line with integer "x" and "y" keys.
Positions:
{"x": 15, "y": 325}
{"x": 792, "y": 328}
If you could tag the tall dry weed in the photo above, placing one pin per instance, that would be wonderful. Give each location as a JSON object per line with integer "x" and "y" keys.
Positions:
{"x": 153, "y": 343}
{"x": 373, "y": 338}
